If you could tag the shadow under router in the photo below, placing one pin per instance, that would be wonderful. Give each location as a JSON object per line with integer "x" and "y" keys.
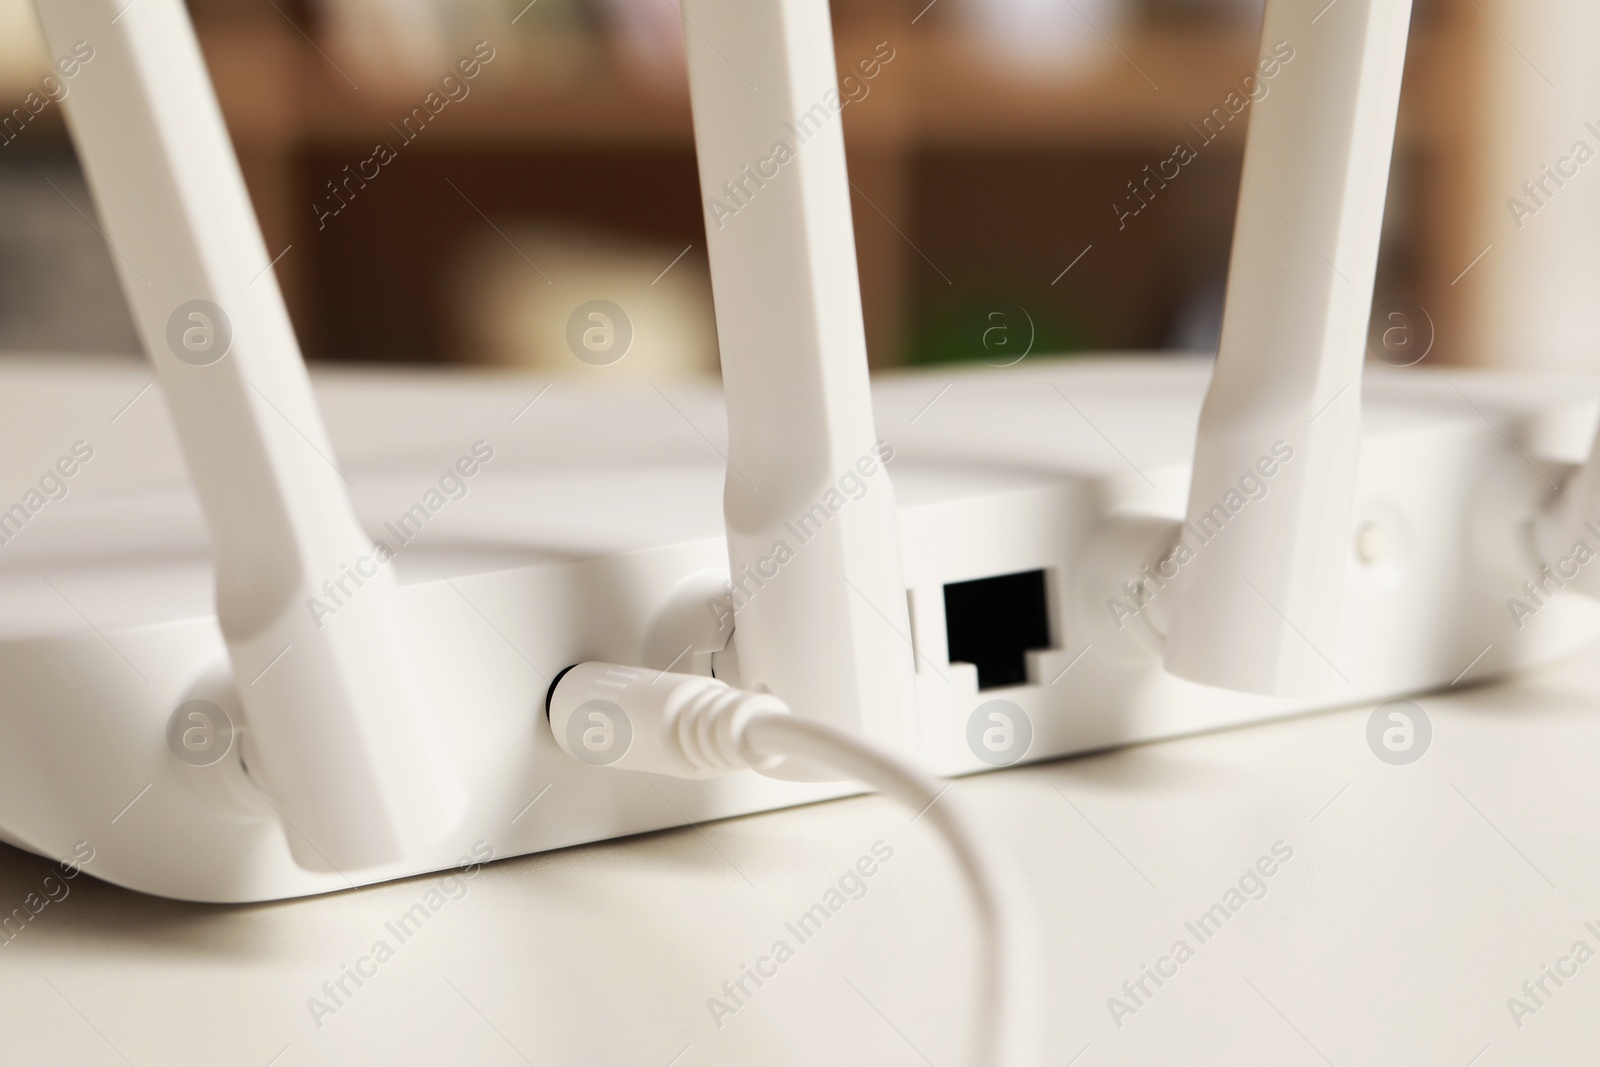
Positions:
{"x": 590, "y": 528}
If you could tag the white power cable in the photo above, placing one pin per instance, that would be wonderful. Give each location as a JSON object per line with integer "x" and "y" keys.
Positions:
{"x": 691, "y": 726}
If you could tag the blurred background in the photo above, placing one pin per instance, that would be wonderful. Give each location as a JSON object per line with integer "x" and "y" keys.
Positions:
{"x": 1001, "y": 153}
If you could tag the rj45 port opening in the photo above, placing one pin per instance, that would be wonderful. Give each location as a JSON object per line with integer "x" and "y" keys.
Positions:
{"x": 992, "y": 623}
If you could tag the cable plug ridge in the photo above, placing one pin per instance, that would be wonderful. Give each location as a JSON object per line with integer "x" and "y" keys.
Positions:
{"x": 682, "y": 725}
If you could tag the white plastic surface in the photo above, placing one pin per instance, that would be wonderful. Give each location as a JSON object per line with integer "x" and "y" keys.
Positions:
{"x": 597, "y": 512}
{"x": 1260, "y": 566}
{"x": 318, "y": 647}
{"x": 813, "y": 548}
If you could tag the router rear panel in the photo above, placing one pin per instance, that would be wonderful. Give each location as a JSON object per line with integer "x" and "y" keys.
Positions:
{"x": 589, "y": 529}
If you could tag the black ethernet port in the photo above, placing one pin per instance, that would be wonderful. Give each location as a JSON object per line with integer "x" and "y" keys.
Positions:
{"x": 991, "y": 623}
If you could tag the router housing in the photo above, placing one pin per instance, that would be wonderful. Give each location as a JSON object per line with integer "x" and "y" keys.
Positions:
{"x": 263, "y": 638}
{"x": 594, "y": 532}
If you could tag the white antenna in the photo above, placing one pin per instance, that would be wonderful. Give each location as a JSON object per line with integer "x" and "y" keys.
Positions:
{"x": 821, "y": 610}
{"x": 1257, "y": 602}
{"x": 335, "y": 732}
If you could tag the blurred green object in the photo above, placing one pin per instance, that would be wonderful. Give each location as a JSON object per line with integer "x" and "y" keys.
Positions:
{"x": 994, "y": 329}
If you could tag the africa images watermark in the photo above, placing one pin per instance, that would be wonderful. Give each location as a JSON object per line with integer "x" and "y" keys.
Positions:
{"x": 1254, "y": 485}
{"x": 1538, "y": 591}
{"x": 1540, "y": 191}
{"x": 52, "y": 486}
{"x": 1536, "y": 992}
{"x": 851, "y": 886}
{"x": 742, "y": 188}
{"x": 337, "y": 992}
{"x": 453, "y": 484}
{"x": 453, "y": 88}
{"x": 51, "y": 90}
{"x": 1253, "y": 88}
{"x": 851, "y": 486}
{"x": 1252, "y": 885}
{"x": 53, "y": 889}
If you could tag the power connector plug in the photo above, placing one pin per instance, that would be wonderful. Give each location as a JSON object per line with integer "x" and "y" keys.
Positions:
{"x": 633, "y": 719}
{"x": 691, "y": 726}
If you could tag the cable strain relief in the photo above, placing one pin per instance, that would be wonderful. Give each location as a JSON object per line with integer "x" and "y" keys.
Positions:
{"x": 710, "y": 728}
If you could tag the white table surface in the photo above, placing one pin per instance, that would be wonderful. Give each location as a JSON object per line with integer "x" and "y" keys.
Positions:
{"x": 1418, "y": 900}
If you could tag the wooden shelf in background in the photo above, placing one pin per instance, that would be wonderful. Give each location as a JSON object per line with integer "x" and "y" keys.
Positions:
{"x": 939, "y": 90}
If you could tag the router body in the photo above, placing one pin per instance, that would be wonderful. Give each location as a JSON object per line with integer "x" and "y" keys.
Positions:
{"x": 590, "y": 528}
{"x": 262, "y": 638}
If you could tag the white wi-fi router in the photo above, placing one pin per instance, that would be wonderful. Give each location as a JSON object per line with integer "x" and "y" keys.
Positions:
{"x": 214, "y": 675}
